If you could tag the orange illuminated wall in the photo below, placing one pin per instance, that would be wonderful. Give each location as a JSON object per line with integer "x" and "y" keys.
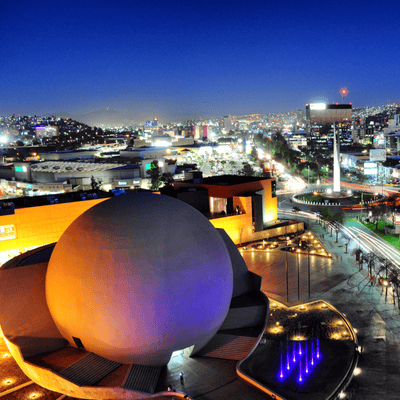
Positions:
{"x": 270, "y": 203}
{"x": 36, "y": 226}
{"x": 238, "y": 227}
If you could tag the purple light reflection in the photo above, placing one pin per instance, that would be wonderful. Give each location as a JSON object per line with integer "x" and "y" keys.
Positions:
{"x": 294, "y": 351}
{"x": 287, "y": 356}
{"x": 307, "y": 371}
{"x": 307, "y": 357}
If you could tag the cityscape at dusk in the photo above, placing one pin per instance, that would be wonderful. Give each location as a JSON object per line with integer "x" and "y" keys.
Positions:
{"x": 181, "y": 60}
{"x": 199, "y": 200}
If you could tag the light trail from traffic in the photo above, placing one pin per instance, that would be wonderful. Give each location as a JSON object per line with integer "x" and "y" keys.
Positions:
{"x": 367, "y": 242}
{"x": 384, "y": 249}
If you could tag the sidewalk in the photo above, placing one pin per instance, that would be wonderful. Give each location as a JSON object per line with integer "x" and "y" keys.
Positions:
{"x": 376, "y": 320}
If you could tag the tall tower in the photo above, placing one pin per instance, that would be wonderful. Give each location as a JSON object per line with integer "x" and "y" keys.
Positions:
{"x": 343, "y": 92}
{"x": 336, "y": 163}
{"x": 227, "y": 123}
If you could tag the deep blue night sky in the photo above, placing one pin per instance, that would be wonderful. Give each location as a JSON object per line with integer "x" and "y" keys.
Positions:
{"x": 177, "y": 58}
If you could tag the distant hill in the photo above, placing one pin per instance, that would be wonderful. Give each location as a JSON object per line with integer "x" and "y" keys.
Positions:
{"x": 105, "y": 119}
{"x": 61, "y": 114}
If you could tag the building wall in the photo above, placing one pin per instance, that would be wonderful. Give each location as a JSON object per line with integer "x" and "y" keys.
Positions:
{"x": 106, "y": 176}
{"x": 238, "y": 227}
{"x": 69, "y": 155}
{"x": 270, "y": 203}
{"x": 243, "y": 202}
{"x": 29, "y": 324}
{"x": 37, "y": 226}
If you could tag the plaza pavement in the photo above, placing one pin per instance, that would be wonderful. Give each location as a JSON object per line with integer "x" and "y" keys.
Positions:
{"x": 336, "y": 280}
{"x": 376, "y": 320}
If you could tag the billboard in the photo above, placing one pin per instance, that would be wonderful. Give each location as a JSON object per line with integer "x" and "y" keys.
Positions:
{"x": 377, "y": 155}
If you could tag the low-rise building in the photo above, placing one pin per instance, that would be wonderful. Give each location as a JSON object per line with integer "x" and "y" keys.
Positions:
{"x": 243, "y": 206}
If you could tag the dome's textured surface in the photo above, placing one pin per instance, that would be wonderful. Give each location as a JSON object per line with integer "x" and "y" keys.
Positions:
{"x": 139, "y": 276}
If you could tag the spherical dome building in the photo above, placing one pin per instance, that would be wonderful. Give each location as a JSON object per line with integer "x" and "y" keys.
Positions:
{"x": 137, "y": 277}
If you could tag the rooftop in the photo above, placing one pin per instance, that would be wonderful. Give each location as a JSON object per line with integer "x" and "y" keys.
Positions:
{"x": 64, "y": 166}
{"x": 230, "y": 180}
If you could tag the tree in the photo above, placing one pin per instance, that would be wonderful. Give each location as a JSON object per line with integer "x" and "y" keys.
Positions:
{"x": 253, "y": 154}
{"x": 246, "y": 170}
{"x": 155, "y": 175}
{"x": 95, "y": 184}
{"x": 325, "y": 214}
{"x": 309, "y": 173}
{"x": 378, "y": 213}
{"x": 339, "y": 216}
{"x": 361, "y": 177}
{"x": 323, "y": 172}
{"x": 167, "y": 179}
{"x": 346, "y": 240}
{"x": 370, "y": 259}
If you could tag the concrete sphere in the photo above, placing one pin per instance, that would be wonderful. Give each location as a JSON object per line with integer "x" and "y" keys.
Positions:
{"x": 137, "y": 277}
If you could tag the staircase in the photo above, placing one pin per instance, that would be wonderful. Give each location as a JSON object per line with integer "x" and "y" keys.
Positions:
{"x": 241, "y": 329}
{"x": 142, "y": 378}
{"x": 229, "y": 347}
{"x": 244, "y": 317}
{"x": 89, "y": 370}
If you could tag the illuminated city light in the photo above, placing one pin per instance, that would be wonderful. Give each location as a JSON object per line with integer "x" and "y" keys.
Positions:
{"x": 317, "y": 106}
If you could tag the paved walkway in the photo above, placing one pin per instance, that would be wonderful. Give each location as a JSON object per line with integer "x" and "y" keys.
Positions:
{"x": 376, "y": 319}
{"x": 336, "y": 280}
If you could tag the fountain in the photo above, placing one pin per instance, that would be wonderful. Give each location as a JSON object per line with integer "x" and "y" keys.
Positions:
{"x": 300, "y": 354}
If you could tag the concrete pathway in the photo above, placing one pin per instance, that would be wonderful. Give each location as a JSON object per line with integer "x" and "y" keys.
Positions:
{"x": 376, "y": 319}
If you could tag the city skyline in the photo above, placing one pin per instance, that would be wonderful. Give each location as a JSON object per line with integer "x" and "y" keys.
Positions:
{"x": 176, "y": 60}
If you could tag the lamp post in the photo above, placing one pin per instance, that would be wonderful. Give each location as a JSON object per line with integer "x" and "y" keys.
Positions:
{"x": 386, "y": 281}
{"x": 361, "y": 204}
{"x": 298, "y": 276}
{"x": 287, "y": 276}
{"x": 309, "y": 279}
